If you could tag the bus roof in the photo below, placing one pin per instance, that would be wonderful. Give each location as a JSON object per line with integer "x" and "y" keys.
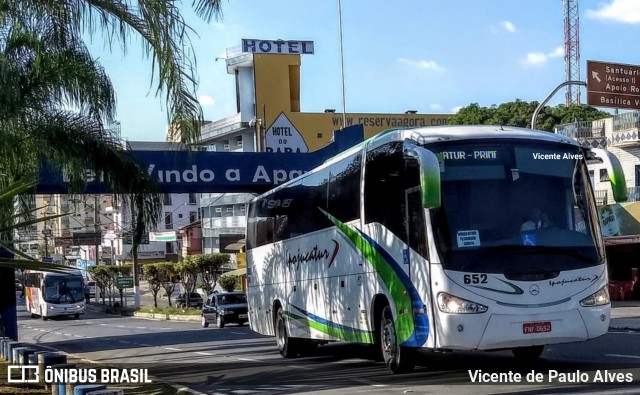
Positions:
{"x": 432, "y": 134}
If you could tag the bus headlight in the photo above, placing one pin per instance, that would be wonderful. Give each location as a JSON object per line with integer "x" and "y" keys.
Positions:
{"x": 597, "y": 299}
{"x": 448, "y": 303}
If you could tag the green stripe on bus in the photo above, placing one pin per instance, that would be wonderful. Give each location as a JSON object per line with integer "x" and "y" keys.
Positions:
{"x": 345, "y": 333}
{"x": 398, "y": 292}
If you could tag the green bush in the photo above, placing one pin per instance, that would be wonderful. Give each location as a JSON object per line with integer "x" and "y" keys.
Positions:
{"x": 229, "y": 282}
{"x": 168, "y": 310}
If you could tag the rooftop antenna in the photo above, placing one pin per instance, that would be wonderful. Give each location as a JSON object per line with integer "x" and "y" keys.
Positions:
{"x": 571, "y": 50}
{"x": 344, "y": 100}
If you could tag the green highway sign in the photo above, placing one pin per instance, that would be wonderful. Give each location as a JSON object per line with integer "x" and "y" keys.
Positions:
{"x": 124, "y": 282}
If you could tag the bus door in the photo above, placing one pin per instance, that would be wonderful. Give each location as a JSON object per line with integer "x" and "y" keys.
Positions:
{"x": 416, "y": 256}
{"x": 414, "y": 223}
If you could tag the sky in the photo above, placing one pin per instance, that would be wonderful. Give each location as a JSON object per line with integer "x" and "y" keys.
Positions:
{"x": 433, "y": 56}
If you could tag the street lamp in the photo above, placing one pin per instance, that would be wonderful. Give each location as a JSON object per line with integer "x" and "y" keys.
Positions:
{"x": 46, "y": 232}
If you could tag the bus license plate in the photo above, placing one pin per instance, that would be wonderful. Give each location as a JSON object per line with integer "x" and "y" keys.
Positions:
{"x": 242, "y": 316}
{"x": 536, "y": 327}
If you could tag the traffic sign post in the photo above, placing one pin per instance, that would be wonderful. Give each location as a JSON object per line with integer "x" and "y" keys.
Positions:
{"x": 124, "y": 282}
{"x": 613, "y": 85}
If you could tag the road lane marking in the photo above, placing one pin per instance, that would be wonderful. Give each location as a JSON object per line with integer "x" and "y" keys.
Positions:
{"x": 203, "y": 353}
{"x": 172, "y": 349}
{"x": 247, "y": 359}
{"x": 622, "y": 356}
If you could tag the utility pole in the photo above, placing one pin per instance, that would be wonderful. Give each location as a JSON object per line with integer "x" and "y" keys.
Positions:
{"x": 46, "y": 232}
{"x": 96, "y": 222}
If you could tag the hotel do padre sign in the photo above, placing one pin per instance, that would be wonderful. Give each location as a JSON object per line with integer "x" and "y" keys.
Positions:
{"x": 613, "y": 85}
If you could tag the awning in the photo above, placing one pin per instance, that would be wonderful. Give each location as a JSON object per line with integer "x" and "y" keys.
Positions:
{"x": 237, "y": 272}
{"x": 237, "y": 246}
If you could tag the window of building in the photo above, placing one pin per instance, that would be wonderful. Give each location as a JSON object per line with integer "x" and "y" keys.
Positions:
{"x": 169, "y": 247}
{"x": 193, "y": 216}
{"x": 193, "y": 199}
{"x": 168, "y": 220}
{"x": 166, "y": 197}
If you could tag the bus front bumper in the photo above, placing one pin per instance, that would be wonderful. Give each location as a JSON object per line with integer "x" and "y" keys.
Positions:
{"x": 500, "y": 331}
{"x": 54, "y": 310}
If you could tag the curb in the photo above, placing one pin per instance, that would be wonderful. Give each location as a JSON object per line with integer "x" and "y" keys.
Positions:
{"x": 167, "y": 317}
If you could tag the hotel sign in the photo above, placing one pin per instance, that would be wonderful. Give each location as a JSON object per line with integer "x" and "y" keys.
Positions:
{"x": 277, "y": 47}
{"x": 613, "y": 85}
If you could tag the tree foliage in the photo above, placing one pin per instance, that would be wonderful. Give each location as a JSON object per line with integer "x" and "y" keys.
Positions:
{"x": 158, "y": 24}
{"x": 209, "y": 267}
{"x": 153, "y": 276}
{"x": 519, "y": 113}
{"x": 229, "y": 282}
{"x": 167, "y": 274}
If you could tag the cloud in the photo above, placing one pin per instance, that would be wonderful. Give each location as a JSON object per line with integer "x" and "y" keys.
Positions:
{"x": 622, "y": 11}
{"x": 455, "y": 109}
{"x": 422, "y": 64}
{"x": 504, "y": 25}
{"x": 206, "y": 101}
{"x": 508, "y": 26}
{"x": 435, "y": 106}
{"x": 540, "y": 58}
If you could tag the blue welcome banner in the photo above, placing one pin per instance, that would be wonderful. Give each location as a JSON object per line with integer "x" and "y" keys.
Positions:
{"x": 206, "y": 172}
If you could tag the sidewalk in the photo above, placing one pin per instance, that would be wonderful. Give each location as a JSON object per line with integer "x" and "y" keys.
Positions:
{"x": 625, "y": 315}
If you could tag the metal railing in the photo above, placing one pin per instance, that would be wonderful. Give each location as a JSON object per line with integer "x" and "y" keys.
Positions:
{"x": 626, "y": 121}
{"x": 634, "y": 194}
{"x": 602, "y": 197}
{"x": 583, "y": 129}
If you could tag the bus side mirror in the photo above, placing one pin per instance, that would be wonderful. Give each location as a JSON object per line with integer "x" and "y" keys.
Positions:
{"x": 429, "y": 173}
{"x": 616, "y": 174}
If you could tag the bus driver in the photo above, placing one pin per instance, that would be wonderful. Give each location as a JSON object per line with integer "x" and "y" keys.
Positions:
{"x": 537, "y": 220}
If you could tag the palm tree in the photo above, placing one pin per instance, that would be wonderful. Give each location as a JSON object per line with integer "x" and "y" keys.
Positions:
{"x": 158, "y": 23}
{"x": 54, "y": 104}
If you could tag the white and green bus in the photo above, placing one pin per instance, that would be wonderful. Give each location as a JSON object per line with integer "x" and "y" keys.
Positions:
{"x": 415, "y": 238}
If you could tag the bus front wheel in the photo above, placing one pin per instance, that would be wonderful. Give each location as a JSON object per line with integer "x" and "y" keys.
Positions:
{"x": 527, "y": 353}
{"x": 398, "y": 359}
{"x": 286, "y": 345}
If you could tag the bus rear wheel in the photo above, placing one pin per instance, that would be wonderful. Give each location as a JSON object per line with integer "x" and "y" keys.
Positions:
{"x": 527, "y": 353}
{"x": 287, "y": 347}
{"x": 398, "y": 359}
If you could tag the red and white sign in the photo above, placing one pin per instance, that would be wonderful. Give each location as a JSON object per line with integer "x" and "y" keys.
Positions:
{"x": 536, "y": 327}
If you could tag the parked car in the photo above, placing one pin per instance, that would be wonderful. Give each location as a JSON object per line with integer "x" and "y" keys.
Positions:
{"x": 225, "y": 308}
{"x": 195, "y": 300}
{"x": 90, "y": 289}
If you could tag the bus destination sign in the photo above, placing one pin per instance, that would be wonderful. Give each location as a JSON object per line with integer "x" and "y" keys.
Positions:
{"x": 613, "y": 85}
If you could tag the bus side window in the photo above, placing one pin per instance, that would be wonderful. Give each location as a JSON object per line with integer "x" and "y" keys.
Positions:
{"x": 32, "y": 280}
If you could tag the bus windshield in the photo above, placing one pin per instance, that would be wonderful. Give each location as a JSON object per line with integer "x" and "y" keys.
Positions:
{"x": 63, "y": 289}
{"x": 519, "y": 208}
